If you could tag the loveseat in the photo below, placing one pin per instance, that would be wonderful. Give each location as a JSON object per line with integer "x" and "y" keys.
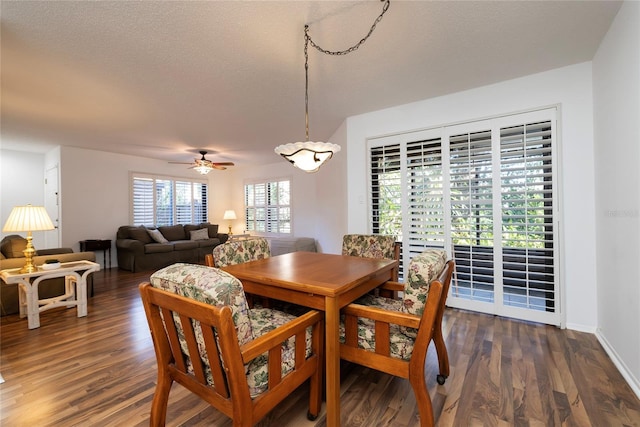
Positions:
{"x": 11, "y": 256}
{"x": 143, "y": 248}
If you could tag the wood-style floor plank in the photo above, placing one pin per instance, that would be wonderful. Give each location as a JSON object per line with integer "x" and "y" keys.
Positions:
{"x": 100, "y": 371}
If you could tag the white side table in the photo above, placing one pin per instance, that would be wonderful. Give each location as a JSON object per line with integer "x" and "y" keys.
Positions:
{"x": 75, "y": 274}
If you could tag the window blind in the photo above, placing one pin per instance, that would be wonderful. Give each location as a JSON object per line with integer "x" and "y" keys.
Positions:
{"x": 157, "y": 201}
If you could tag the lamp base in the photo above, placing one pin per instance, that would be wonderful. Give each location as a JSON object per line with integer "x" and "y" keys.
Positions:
{"x": 29, "y": 252}
{"x": 230, "y": 233}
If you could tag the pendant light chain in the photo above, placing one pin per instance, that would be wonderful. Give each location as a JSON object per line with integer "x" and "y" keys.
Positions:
{"x": 385, "y": 7}
{"x": 308, "y": 40}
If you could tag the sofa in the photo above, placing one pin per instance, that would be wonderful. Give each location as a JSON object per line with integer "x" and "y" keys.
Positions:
{"x": 141, "y": 248}
{"x": 11, "y": 256}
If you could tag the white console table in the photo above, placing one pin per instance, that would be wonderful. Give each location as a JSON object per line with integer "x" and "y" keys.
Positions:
{"x": 75, "y": 274}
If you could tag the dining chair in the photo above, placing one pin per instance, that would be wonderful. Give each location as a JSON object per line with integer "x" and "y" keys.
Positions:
{"x": 372, "y": 246}
{"x": 238, "y": 252}
{"x": 388, "y": 349}
{"x": 241, "y": 361}
{"x": 393, "y": 335}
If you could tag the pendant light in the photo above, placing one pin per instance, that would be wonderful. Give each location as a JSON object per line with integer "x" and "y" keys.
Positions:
{"x": 309, "y": 156}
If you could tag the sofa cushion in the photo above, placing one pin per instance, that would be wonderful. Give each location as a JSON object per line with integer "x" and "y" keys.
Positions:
{"x": 156, "y": 248}
{"x": 140, "y": 233}
{"x": 173, "y": 232}
{"x": 13, "y": 245}
{"x": 157, "y": 236}
{"x": 182, "y": 245}
{"x": 208, "y": 243}
{"x": 213, "y": 229}
{"x": 201, "y": 234}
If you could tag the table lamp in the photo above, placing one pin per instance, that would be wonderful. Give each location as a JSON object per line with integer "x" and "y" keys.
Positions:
{"x": 28, "y": 218}
{"x": 230, "y": 214}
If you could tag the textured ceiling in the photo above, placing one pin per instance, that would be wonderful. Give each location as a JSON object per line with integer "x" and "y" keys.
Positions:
{"x": 165, "y": 79}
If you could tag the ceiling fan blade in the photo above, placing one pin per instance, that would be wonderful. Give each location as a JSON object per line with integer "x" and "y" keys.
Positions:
{"x": 181, "y": 163}
{"x": 223, "y": 163}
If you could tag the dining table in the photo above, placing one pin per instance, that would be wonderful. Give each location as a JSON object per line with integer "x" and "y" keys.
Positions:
{"x": 322, "y": 281}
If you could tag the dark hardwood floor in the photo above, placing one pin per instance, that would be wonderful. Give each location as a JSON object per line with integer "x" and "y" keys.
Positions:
{"x": 100, "y": 371}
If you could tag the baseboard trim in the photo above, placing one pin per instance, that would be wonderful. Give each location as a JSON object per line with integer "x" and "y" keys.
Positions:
{"x": 633, "y": 382}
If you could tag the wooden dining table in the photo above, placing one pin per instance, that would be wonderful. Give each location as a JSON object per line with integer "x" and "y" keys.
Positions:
{"x": 321, "y": 281}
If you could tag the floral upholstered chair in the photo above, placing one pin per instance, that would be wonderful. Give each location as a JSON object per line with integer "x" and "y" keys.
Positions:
{"x": 206, "y": 338}
{"x": 240, "y": 251}
{"x": 393, "y": 335}
{"x": 372, "y": 246}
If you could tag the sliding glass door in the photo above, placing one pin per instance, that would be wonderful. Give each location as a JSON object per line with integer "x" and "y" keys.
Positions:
{"x": 486, "y": 192}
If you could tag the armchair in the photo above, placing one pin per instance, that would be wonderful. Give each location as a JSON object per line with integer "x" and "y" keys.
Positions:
{"x": 241, "y": 361}
{"x": 393, "y": 335}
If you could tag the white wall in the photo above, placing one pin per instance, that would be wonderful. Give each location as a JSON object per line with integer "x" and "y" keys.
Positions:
{"x": 21, "y": 183}
{"x": 616, "y": 83}
{"x": 570, "y": 87}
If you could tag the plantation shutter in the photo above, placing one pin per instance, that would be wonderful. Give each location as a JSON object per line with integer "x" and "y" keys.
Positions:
{"x": 471, "y": 197}
{"x": 425, "y": 200}
{"x": 184, "y": 213}
{"x": 143, "y": 207}
{"x": 527, "y": 216}
{"x": 200, "y": 198}
{"x": 485, "y": 191}
{"x": 386, "y": 190}
{"x": 157, "y": 201}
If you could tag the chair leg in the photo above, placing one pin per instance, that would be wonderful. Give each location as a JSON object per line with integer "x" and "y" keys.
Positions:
{"x": 423, "y": 401}
{"x": 315, "y": 396}
{"x": 160, "y": 400}
{"x": 443, "y": 355}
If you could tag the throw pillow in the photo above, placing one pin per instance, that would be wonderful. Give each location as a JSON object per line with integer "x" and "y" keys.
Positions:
{"x": 140, "y": 233}
{"x": 202, "y": 234}
{"x": 213, "y": 229}
{"x": 157, "y": 236}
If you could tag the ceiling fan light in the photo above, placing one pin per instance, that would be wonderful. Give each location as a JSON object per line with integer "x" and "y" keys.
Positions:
{"x": 307, "y": 156}
{"x": 203, "y": 169}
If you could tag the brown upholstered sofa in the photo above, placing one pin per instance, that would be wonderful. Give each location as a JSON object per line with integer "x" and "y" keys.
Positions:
{"x": 11, "y": 256}
{"x": 138, "y": 251}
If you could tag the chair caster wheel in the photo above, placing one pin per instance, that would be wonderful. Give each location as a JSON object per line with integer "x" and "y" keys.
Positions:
{"x": 441, "y": 379}
{"x": 311, "y": 417}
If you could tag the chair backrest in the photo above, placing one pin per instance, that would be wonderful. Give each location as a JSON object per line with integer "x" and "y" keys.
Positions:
{"x": 369, "y": 245}
{"x": 372, "y": 246}
{"x": 423, "y": 269}
{"x": 241, "y": 251}
{"x": 211, "y": 286}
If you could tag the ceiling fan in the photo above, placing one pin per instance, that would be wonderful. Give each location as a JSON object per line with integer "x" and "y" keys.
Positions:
{"x": 205, "y": 166}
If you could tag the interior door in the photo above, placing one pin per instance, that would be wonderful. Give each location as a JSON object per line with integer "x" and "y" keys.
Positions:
{"x": 52, "y": 205}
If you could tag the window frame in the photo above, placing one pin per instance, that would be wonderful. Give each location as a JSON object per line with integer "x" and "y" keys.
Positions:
{"x": 199, "y": 213}
{"x": 252, "y": 219}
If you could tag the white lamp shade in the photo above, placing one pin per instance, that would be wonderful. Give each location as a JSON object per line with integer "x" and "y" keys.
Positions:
{"x": 28, "y": 218}
{"x": 230, "y": 214}
{"x": 308, "y": 156}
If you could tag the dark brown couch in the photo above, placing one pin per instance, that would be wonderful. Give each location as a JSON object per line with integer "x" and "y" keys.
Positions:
{"x": 138, "y": 251}
{"x": 11, "y": 257}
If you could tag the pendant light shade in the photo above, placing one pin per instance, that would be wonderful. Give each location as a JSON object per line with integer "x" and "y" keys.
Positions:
{"x": 307, "y": 156}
